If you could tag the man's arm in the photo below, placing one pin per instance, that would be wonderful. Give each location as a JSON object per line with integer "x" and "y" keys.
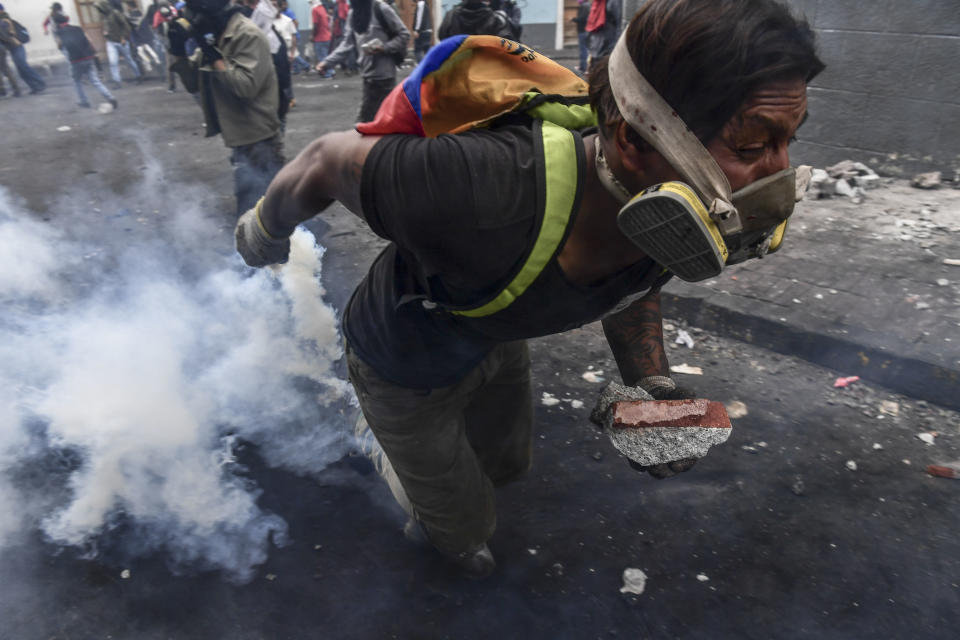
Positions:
{"x": 329, "y": 168}
{"x": 635, "y": 336}
{"x": 339, "y": 55}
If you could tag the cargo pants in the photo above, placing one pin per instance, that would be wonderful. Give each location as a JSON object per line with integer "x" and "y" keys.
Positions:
{"x": 452, "y": 445}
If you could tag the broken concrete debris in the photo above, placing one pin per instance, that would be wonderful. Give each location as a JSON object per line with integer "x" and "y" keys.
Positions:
{"x": 846, "y": 178}
{"x": 634, "y": 581}
{"x": 684, "y": 338}
{"x": 687, "y": 369}
{"x": 736, "y": 409}
{"x": 927, "y": 437}
{"x": 930, "y": 180}
{"x": 949, "y": 470}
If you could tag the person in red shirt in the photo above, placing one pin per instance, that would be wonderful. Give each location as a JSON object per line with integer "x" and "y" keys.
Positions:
{"x": 321, "y": 34}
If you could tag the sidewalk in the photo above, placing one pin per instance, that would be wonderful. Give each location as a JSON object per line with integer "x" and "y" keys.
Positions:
{"x": 862, "y": 289}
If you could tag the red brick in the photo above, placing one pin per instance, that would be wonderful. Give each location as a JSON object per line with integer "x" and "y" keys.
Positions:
{"x": 949, "y": 470}
{"x": 670, "y": 413}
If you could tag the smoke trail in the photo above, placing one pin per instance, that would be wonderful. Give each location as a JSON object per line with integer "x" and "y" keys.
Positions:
{"x": 135, "y": 352}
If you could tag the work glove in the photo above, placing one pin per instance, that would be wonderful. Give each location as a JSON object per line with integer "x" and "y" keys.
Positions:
{"x": 257, "y": 247}
{"x": 619, "y": 393}
{"x": 178, "y": 32}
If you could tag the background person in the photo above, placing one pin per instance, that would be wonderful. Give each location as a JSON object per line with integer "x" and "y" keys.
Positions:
{"x": 81, "y": 55}
{"x": 232, "y": 71}
{"x": 13, "y": 45}
{"x": 116, "y": 32}
{"x": 377, "y": 35}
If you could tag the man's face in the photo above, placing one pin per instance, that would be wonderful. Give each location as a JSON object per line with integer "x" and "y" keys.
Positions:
{"x": 753, "y": 144}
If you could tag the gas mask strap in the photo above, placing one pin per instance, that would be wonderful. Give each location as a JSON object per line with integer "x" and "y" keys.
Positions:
{"x": 609, "y": 181}
{"x": 651, "y": 117}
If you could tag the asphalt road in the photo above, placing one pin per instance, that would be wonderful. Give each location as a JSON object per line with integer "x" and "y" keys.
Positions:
{"x": 771, "y": 536}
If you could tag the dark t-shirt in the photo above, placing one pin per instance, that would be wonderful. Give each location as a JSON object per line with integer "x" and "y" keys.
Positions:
{"x": 462, "y": 213}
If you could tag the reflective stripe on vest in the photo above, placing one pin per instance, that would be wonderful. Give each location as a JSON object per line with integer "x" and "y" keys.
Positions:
{"x": 560, "y": 172}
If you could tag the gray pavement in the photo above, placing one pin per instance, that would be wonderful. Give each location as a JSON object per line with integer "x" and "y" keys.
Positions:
{"x": 861, "y": 288}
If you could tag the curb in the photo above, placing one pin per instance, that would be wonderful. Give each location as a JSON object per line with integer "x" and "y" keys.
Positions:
{"x": 894, "y": 369}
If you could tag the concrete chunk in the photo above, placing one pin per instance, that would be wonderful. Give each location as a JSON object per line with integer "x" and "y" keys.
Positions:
{"x": 661, "y": 431}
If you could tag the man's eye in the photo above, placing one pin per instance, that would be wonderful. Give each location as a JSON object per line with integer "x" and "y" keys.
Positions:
{"x": 751, "y": 149}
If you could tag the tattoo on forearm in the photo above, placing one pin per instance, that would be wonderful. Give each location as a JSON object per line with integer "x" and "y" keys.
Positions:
{"x": 635, "y": 336}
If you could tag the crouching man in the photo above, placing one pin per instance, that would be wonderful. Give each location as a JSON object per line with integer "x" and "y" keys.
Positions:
{"x": 523, "y": 228}
{"x": 232, "y": 70}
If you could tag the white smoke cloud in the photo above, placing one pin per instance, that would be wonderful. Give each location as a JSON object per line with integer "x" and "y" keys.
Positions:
{"x": 135, "y": 353}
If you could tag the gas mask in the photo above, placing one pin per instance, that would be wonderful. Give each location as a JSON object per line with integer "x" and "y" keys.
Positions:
{"x": 692, "y": 228}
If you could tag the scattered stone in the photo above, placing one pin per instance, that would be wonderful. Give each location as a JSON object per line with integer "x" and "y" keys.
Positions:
{"x": 890, "y": 407}
{"x": 595, "y": 377}
{"x": 557, "y": 569}
{"x": 271, "y": 577}
{"x": 125, "y": 574}
{"x": 929, "y": 180}
{"x": 105, "y": 108}
{"x": 942, "y": 282}
{"x": 736, "y": 409}
{"x": 855, "y": 194}
{"x": 851, "y": 465}
{"x": 548, "y": 400}
{"x": 951, "y": 262}
{"x": 750, "y": 448}
{"x": 877, "y": 446}
{"x": 63, "y": 128}
{"x": 686, "y": 369}
{"x": 597, "y": 455}
{"x": 798, "y": 487}
{"x": 702, "y": 577}
{"x": 684, "y": 338}
{"x": 927, "y": 437}
{"x": 634, "y": 581}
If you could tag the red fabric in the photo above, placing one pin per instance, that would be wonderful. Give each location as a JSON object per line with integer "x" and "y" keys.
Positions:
{"x": 396, "y": 115}
{"x": 321, "y": 24}
{"x": 598, "y": 15}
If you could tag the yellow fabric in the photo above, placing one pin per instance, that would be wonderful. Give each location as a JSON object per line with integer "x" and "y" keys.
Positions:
{"x": 478, "y": 83}
{"x": 560, "y": 164}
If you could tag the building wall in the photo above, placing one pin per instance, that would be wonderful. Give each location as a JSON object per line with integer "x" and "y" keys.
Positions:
{"x": 891, "y": 92}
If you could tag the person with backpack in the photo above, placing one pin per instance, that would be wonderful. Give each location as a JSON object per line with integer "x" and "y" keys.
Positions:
{"x": 537, "y": 214}
{"x": 477, "y": 17}
{"x": 13, "y": 36}
{"x": 74, "y": 42}
{"x": 116, "y": 33}
{"x": 232, "y": 72}
{"x": 379, "y": 37}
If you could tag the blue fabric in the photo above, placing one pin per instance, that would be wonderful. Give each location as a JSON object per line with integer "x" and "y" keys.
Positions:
{"x": 31, "y": 77}
{"x": 430, "y": 63}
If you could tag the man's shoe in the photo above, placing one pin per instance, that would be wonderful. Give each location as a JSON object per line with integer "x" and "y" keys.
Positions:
{"x": 475, "y": 564}
{"x": 116, "y": 85}
{"x": 84, "y": 105}
{"x": 113, "y": 103}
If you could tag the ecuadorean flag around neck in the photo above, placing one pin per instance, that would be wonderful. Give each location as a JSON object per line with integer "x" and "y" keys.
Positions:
{"x": 465, "y": 81}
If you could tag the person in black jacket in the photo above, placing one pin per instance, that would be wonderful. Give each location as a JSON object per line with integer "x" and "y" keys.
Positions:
{"x": 73, "y": 41}
{"x": 477, "y": 17}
